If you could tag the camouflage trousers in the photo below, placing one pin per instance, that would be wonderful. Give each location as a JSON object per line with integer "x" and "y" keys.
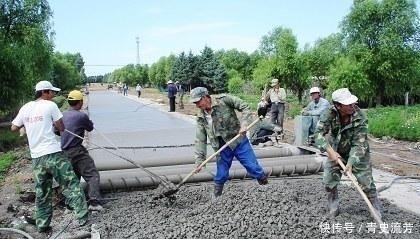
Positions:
{"x": 362, "y": 171}
{"x": 84, "y": 166}
{"x": 56, "y": 166}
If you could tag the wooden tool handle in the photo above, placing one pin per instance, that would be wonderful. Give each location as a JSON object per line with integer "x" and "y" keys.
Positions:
{"x": 217, "y": 152}
{"x": 365, "y": 198}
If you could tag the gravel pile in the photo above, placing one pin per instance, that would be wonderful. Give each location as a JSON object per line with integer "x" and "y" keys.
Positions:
{"x": 286, "y": 208}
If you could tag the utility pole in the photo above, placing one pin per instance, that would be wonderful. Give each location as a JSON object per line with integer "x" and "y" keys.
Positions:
{"x": 138, "y": 54}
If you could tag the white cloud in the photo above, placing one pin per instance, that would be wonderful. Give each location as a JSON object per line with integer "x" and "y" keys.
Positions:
{"x": 189, "y": 28}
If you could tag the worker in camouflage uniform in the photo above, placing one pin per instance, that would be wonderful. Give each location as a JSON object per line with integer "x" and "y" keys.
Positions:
{"x": 262, "y": 132}
{"x": 217, "y": 121}
{"x": 348, "y": 127}
{"x": 48, "y": 161}
{"x": 77, "y": 123}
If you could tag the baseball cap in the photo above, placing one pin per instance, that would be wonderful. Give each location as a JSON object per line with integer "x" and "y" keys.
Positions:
{"x": 45, "y": 85}
{"x": 343, "y": 96}
{"x": 197, "y": 93}
{"x": 75, "y": 95}
{"x": 274, "y": 82}
{"x": 314, "y": 90}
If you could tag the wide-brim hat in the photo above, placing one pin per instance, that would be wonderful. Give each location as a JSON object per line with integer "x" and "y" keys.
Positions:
{"x": 170, "y": 82}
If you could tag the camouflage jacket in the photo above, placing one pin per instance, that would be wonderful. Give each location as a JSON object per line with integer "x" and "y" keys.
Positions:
{"x": 349, "y": 141}
{"x": 225, "y": 124}
{"x": 262, "y": 124}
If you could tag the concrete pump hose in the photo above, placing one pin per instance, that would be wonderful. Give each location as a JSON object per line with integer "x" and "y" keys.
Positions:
{"x": 17, "y": 231}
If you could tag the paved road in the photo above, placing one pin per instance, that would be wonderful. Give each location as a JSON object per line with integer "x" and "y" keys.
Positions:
{"x": 133, "y": 126}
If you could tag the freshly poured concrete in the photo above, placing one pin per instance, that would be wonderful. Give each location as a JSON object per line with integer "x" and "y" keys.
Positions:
{"x": 286, "y": 208}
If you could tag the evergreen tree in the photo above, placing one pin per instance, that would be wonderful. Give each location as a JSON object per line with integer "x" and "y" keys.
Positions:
{"x": 212, "y": 73}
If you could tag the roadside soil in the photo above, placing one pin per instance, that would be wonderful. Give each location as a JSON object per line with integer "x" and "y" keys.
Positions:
{"x": 17, "y": 197}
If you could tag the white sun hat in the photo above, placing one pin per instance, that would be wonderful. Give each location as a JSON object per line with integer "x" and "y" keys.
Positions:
{"x": 314, "y": 90}
{"x": 45, "y": 85}
{"x": 343, "y": 96}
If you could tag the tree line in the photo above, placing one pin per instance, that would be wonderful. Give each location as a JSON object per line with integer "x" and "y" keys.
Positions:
{"x": 376, "y": 54}
{"x": 27, "y": 53}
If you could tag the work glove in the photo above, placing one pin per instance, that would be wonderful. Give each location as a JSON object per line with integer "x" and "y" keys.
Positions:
{"x": 305, "y": 112}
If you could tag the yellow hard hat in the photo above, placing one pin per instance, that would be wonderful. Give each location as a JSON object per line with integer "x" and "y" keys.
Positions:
{"x": 75, "y": 95}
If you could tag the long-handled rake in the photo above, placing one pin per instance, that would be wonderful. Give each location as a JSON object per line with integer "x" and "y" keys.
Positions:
{"x": 353, "y": 179}
{"x": 172, "y": 191}
{"x": 165, "y": 183}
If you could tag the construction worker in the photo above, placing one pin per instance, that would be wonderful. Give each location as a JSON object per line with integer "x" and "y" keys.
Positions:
{"x": 276, "y": 97}
{"x": 138, "y": 90}
{"x": 348, "y": 127}
{"x": 262, "y": 132}
{"x": 172, "y": 90}
{"x": 314, "y": 110}
{"x": 218, "y": 122}
{"x": 48, "y": 161}
{"x": 181, "y": 91}
{"x": 83, "y": 165}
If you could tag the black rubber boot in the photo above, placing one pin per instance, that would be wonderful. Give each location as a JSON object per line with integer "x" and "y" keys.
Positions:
{"x": 218, "y": 189}
{"x": 263, "y": 180}
{"x": 333, "y": 201}
{"x": 377, "y": 205}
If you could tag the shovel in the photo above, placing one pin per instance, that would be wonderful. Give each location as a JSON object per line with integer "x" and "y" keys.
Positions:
{"x": 353, "y": 179}
{"x": 167, "y": 184}
{"x": 169, "y": 193}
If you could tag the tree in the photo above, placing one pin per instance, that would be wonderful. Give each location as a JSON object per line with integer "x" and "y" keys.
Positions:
{"x": 212, "y": 73}
{"x": 319, "y": 58}
{"x": 65, "y": 72}
{"x": 236, "y": 60}
{"x": 289, "y": 67}
{"x": 180, "y": 69}
{"x": 384, "y": 37}
{"x": 25, "y": 49}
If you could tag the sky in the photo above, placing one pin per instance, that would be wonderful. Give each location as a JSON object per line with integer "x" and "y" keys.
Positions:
{"x": 104, "y": 31}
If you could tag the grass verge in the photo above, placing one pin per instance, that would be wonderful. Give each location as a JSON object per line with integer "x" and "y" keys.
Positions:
{"x": 6, "y": 160}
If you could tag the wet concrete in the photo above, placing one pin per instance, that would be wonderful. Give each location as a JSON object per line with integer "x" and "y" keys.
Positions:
{"x": 112, "y": 112}
{"x": 132, "y": 127}
{"x": 285, "y": 208}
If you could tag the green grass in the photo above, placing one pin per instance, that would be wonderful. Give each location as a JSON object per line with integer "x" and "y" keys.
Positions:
{"x": 398, "y": 122}
{"x": 6, "y": 159}
{"x": 9, "y": 139}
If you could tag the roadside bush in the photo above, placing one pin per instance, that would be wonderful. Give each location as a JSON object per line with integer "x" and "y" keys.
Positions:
{"x": 398, "y": 122}
{"x": 235, "y": 85}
